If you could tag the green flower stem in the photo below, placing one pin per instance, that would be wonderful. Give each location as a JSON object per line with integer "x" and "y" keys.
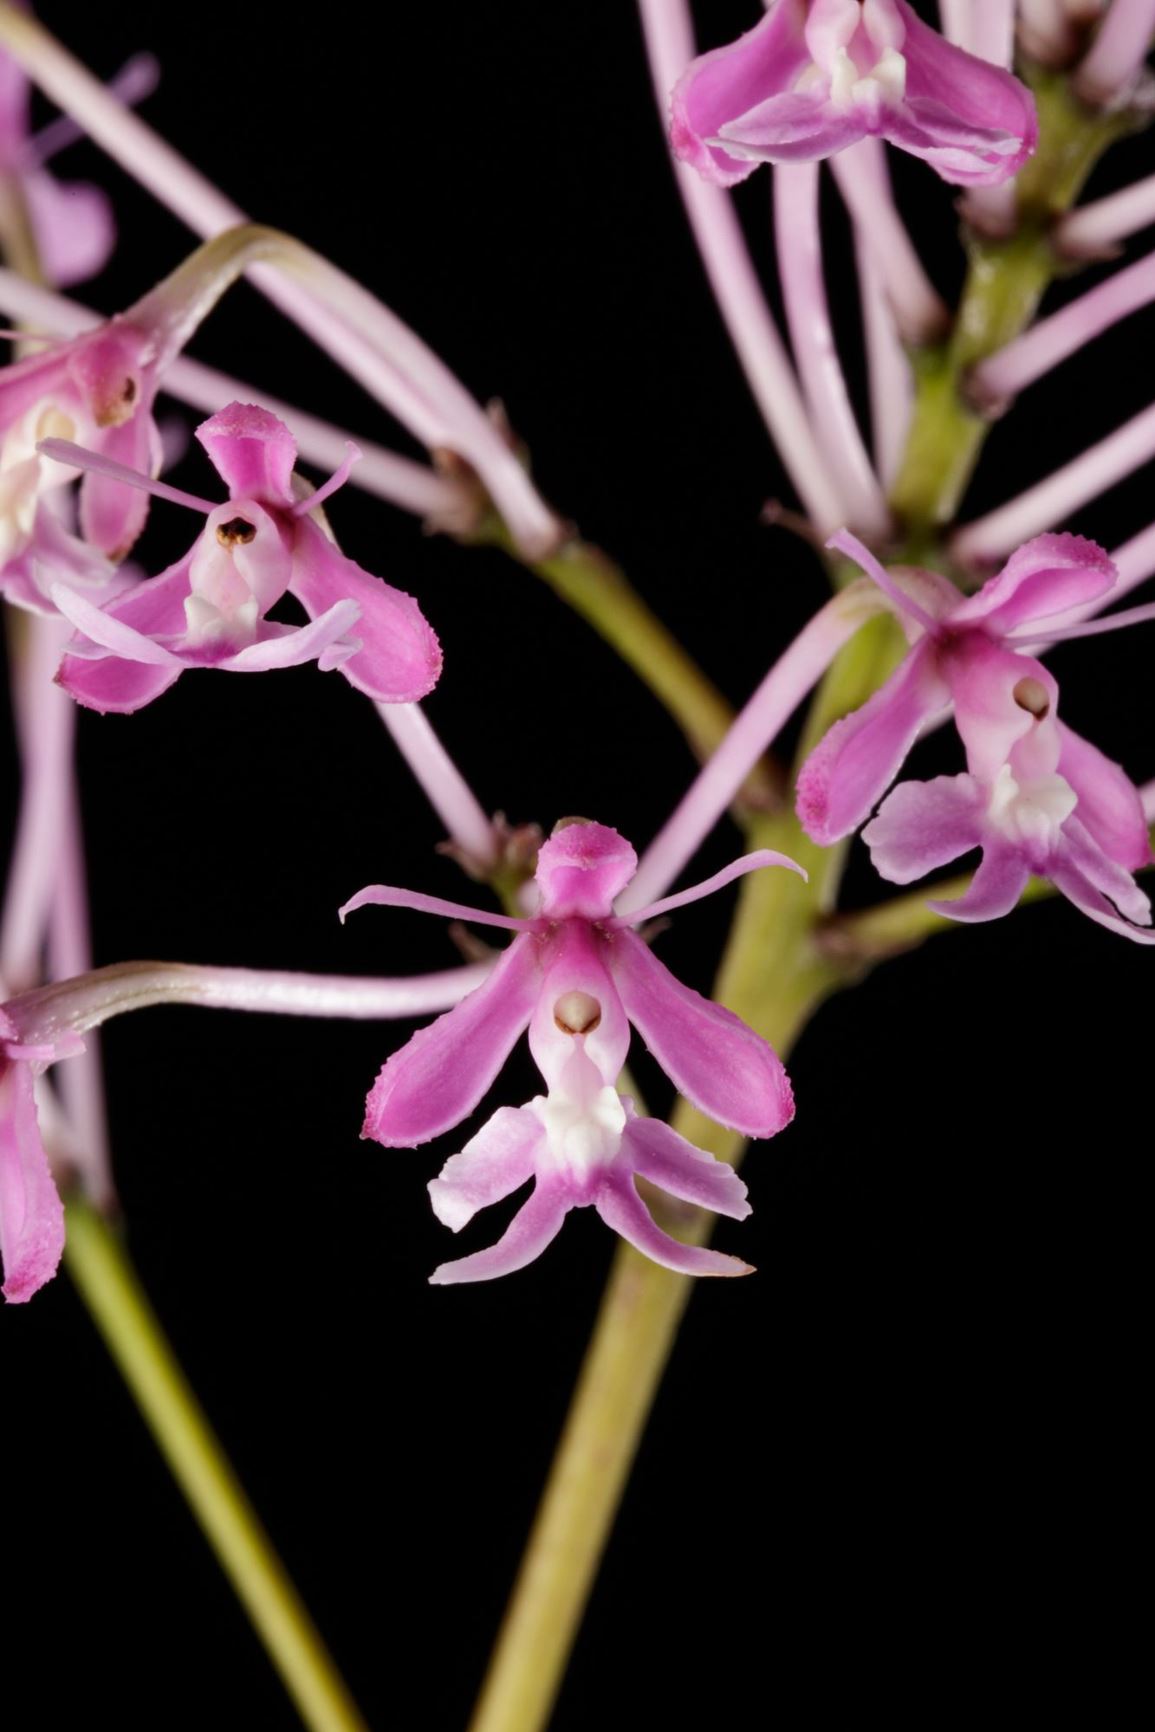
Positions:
{"x": 785, "y": 953}
{"x": 99, "y": 1266}
{"x": 599, "y": 591}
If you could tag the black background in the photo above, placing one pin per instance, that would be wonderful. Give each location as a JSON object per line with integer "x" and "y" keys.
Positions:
{"x": 899, "y": 1467}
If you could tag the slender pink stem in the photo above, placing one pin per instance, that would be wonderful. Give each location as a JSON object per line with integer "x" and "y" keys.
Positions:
{"x": 799, "y": 242}
{"x": 741, "y": 302}
{"x": 443, "y": 784}
{"x": 1046, "y": 344}
{"x": 46, "y": 720}
{"x": 1147, "y": 795}
{"x": 1115, "y": 58}
{"x": 1046, "y": 31}
{"x": 989, "y": 538}
{"x": 890, "y": 380}
{"x": 396, "y": 366}
{"x": 76, "y": 1006}
{"x": 413, "y": 486}
{"x": 864, "y": 182}
{"x": 136, "y": 79}
{"x": 755, "y": 728}
{"x": 1098, "y": 227}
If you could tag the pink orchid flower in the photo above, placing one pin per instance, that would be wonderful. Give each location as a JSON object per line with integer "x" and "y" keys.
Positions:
{"x": 1037, "y": 797}
{"x": 817, "y": 75}
{"x": 209, "y": 610}
{"x": 31, "y": 1213}
{"x": 577, "y": 976}
{"x": 97, "y": 390}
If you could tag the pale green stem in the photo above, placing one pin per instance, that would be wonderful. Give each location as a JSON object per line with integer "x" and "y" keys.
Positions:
{"x": 99, "y": 1265}
{"x": 778, "y": 967}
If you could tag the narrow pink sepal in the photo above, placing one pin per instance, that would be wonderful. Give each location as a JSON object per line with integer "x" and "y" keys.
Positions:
{"x": 112, "y": 514}
{"x": 736, "y": 869}
{"x": 112, "y": 686}
{"x": 921, "y": 826}
{"x": 31, "y": 1213}
{"x": 1075, "y": 887}
{"x": 112, "y": 632}
{"x": 709, "y": 1054}
{"x": 855, "y": 762}
{"x": 620, "y": 1207}
{"x": 659, "y": 1154}
{"x": 400, "y": 657}
{"x": 536, "y": 1223}
{"x": 392, "y": 896}
{"x": 581, "y": 868}
{"x": 1079, "y": 849}
{"x": 1109, "y": 802}
{"x": 976, "y": 122}
{"x": 442, "y": 1072}
{"x": 282, "y": 646}
{"x": 491, "y": 1166}
{"x": 728, "y": 82}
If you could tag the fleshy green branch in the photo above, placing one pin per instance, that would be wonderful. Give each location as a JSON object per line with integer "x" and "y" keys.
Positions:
{"x": 99, "y": 1266}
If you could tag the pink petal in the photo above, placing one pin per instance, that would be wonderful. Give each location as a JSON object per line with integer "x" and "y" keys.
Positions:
{"x": 995, "y": 726}
{"x": 1109, "y": 803}
{"x": 537, "y": 1222}
{"x": 31, "y": 1213}
{"x": 1080, "y": 849}
{"x": 112, "y": 514}
{"x": 391, "y": 896}
{"x": 155, "y": 608}
{"x": 252, "y": 451}
{"x": 112, "y": 685}
{"x": 74, "y": 227}
{"x": 944, "y": 81}
{"x": 438, "y": 1076}
{"x": 708, "y": 1053}
{"x": 736, "y": 869}
{"x": 400, "y": 657}
{"x": 1067, "y": 878}
{"x": 851, "y": 768}
{"x": 995, "y": 888}
{"x": 491, "y": 1166}
{"x": 581, "y": 869}
{"x": 791, "y": 128}
{"x": 923, "y": 825}
{"x": 110, "y": 631}
{"x": 621, "y": 1208}
{"x": 659, "y": 1154}
{"x": 719, "y": 87}
{"x": 577, "y": 966}
{"x": 289, "y": 647}
{"x": 1043, "y": 578}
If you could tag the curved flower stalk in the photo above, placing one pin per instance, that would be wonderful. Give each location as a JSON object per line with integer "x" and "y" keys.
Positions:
{"x": 1037, "y": 797}
{"x": 576, "y": 977}
{"x": 816, "y": 75}
{"x": 210, "y": 608}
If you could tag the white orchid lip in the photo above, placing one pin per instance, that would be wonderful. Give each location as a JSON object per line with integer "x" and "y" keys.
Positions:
{"x": 577, "y": 1013}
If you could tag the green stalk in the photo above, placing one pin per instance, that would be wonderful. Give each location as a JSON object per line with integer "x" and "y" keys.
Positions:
{"x": 104, "y": 1277}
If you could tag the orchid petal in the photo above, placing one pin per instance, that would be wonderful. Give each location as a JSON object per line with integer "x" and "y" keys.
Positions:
{"x": 973, "y": 93}
{"x": 921, "y": 826}
{"x": 289, "y": 648}
{"x": 620, "y": 1207}
{"x": 112, "y": 515}
{"x": 852, "y": 766}
{"x": 995, "y": 888}
{"x": 728, "y": 82}
{"x": 437, "y": 1078}
{"x": 788, "y": 128}
{"x": 1004, "y": 708}
{"x": 31, "y": 1213}
{"x": 109, "y": 632}
{"x": 659, "y": 1154}
{"x": 1080, "y": 849}
{"x": 736, "y": 869}
{"x": 1046, "y": 576}
{"x": 1066, "y": 877}
{"x": 391, "y": 896}
{"x": 74, "y": 227}
{"x": 1109, "y": 803}
{"x": 581, "y": 869}
{"x": 400, "y": 658}
{"x": 709, "y": 1054}
{"x": 577, "y": 975}
{"x": 490, "y": 1167}
{"x": 846, "y": 543}
{"x": 536, "y": 1223}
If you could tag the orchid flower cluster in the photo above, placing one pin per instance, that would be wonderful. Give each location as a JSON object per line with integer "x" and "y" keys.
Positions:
{"x": 968, "y": 613}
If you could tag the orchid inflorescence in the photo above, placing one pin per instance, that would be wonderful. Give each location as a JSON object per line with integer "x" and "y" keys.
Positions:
{"x": 970, "y": 612}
